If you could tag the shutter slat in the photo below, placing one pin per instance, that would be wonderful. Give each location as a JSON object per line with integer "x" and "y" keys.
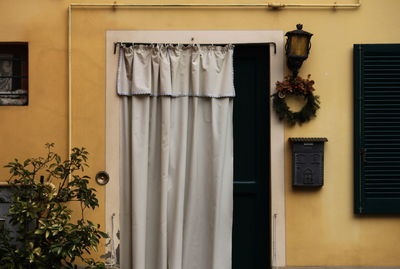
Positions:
{"x": 380, "y": 78}
{"x": 393, "y": 83}
{"x": 379, "y": 88}
{"x": 377, "y": 158}
{"x": 379, "y": 130}
{"x": 375, "y": 123}
{"x": 388, "y": 92}
{"x": 380, "y": 136}
{"x": 380, "y": 60}
{"x": 382, "y": 114}
{"x": 373, "y": 57}
{"x": 374, "y": 101}
{"x": 383, "y": 183}
{"x": 376, "y": 165}
{"x": 380, "y": 108}
{"x": 383, "y": 69}
{"x": 383, "y": 180}
{"x": 384, "y": 150}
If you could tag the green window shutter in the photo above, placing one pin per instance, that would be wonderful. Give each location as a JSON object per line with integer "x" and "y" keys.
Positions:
{"x": 377, "y": 128}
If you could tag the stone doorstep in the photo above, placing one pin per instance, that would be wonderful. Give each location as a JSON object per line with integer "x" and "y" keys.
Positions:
{"x": 107, "y": 266}
{"x": 335, "y": 267}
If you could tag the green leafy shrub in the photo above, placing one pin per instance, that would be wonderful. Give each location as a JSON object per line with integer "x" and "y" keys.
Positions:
{"x": 47, "y": 238}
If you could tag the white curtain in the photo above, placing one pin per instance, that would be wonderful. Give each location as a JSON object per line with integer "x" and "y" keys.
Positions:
{"x": 176, "y": 200}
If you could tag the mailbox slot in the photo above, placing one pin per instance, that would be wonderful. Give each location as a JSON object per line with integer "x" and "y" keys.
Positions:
{"x": 307, "y": 161}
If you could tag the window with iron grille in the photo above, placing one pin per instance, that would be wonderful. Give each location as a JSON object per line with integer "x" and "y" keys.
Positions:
{"x": 377, "y": 128}
{"x": 13, "y": 74}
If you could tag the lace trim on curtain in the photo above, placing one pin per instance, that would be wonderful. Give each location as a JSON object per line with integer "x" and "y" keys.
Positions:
{"x": 177, "y": 95}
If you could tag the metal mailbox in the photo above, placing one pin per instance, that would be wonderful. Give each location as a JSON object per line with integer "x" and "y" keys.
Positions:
{"x": 308, "y": 161}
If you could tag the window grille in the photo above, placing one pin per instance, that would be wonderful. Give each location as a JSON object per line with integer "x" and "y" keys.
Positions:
{"x": 14, "y": 74}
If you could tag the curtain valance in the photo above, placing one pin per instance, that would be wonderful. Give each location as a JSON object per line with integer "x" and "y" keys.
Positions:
{"x": 176, "y": 70}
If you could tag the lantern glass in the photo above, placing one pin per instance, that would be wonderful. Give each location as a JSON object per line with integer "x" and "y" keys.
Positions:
{"x": 298, "y": 45}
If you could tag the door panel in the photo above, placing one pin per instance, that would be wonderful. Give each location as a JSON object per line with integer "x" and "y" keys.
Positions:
{"x": 251, "y": 158}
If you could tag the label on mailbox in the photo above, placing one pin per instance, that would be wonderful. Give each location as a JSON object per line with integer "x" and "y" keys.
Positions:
{"x": 308, "y": 169}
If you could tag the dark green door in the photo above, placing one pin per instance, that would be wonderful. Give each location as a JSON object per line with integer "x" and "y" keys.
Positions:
{"x": 251, "y": 238}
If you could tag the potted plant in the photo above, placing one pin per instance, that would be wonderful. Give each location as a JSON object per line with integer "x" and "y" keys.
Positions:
{"x": 47, "y": 237}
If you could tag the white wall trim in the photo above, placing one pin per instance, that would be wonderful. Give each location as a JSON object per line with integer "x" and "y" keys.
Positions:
{"x": 278, "y": 247}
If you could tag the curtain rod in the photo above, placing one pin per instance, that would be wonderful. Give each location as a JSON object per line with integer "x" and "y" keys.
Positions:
{"x": 116, "y": 44}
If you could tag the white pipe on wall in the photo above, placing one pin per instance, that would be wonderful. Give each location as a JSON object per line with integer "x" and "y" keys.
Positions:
{"x": 69, "y": 79}
{"x": 272, "y": 5}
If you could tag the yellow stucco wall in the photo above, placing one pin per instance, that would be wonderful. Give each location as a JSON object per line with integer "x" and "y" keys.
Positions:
{"x": 320, "y": 226}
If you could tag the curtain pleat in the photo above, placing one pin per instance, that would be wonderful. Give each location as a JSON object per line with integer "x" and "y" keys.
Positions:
{"x": 177, "y": 157}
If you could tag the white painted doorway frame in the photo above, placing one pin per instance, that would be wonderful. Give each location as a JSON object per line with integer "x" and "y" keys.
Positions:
{"x": 277, "y": 195}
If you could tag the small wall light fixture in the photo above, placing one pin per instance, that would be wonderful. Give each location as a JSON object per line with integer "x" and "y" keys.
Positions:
{"x": 297, "y": 48}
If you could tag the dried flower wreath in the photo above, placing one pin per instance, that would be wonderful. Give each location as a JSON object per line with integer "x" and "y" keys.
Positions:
{"x": 299, "y": 87}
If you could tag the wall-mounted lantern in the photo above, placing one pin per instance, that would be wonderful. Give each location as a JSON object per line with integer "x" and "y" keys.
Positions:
{"x": 308, "y": 161}
{"x": 297, "y": 48}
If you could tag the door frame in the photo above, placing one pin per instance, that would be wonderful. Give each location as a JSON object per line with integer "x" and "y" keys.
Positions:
{"x": 277, "y": 141}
